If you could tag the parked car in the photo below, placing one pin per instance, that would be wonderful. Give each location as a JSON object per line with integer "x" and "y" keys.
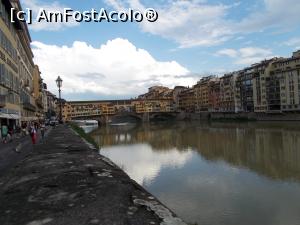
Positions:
{"x": 47, "y": 122}
{"x": 53, "y": 123}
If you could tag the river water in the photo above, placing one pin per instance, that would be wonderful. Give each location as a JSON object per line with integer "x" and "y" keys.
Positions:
{"x": 213, "y": 173}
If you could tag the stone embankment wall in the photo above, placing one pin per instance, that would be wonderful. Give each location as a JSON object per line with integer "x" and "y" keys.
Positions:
{"x": 239, "y": 116}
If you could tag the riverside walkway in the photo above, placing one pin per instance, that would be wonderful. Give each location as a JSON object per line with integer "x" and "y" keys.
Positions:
{"x": 63, "y": 181}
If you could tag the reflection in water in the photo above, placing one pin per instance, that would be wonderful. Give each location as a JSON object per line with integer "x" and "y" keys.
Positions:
{"x": 89, "y": 128}
{"x": 219, "y": 173}
{"x": 142, "y": 164}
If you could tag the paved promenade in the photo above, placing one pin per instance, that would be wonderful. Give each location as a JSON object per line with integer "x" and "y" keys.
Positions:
{"x": 16, "y": 150}
{"x": 62, "y": 181}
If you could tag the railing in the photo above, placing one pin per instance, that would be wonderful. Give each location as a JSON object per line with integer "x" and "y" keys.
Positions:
{"x": 39, "y": 102}
{"x": 29, "y": 106}
{"x": 2, "y": 101}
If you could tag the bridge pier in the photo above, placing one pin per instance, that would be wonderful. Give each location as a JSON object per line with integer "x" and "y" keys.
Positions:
{"x": 146, "y": 117}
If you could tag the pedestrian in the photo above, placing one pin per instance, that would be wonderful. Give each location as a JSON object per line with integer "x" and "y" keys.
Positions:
{"x": 24, "y": 126}
{"x": 33, "y": 133}
{"x": 10, "y": 133}
{"x": 42, "y": 128}
{"x": 4, "y": 131}
{"x": 18, "y": 131}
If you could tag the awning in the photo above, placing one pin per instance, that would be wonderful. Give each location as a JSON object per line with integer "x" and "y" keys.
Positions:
{"x": 4, "y": 115}
{"x": 9, "y": 116}
{"x": 14, "y": 116}
{"x": 28, "y": 119}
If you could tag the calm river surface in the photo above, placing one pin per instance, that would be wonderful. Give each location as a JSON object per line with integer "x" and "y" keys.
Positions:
{"x": 216, "y": 173}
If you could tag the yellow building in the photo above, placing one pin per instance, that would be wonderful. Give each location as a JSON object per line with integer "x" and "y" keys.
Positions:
{"x": 153, "y": 105}
{"x": 205, "y": 97}
{"x": 38, "y": 92}
{"x": 73, "y": 110}
{"x": 26, "y": 67}
{"x": 157, "y": 92}
{"x": 10, "y": 110}
{"x": 83, "y": 109}
{"x": 187, "y": 100}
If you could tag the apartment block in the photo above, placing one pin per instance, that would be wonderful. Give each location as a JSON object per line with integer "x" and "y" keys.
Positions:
{"x": 207, "y": 93}
{"x": 157, "y": 92}
{"x": 153, "y": 105}
{"x": 244, "y": 84}
{"x": 39, "y": 93}
{"x": 228, "y": 102}
{"x": 176, "y": 91}
{"x": 187, "y": 100}
{"x": 10, "y": 109}
{"x": 287, "y": 72}
{"x": 214, "y": 95}
{"x": 263, "y": 85}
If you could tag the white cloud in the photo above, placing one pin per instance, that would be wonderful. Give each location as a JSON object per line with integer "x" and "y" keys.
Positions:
{"x": 36, "y": 6}
{"x": 280, "y": 14}
{"x": 246, "y": 56}
{"x": 116, "y": 68}
{"x": 189, "y": 23}
{"x": 195, "y": 22}
{"x": 200, "y": 23}
{"x": 294, "y": 42}
{"x": 228, "y": 52}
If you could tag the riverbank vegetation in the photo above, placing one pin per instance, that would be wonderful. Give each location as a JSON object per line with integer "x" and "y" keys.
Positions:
{"x": 84, "y": 135}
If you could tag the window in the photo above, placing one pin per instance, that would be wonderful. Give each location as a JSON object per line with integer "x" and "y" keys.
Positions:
{"x": 7, "y": 46}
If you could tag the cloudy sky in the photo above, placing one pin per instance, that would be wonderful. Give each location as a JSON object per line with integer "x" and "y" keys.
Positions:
{"x": 190, "y": 39}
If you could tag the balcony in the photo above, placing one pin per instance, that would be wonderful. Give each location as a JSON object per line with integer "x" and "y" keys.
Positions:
{"x": 39, "y": 102}
{"x": 29, "y": 106}
{"x": 2, "y": 101}
{"x": 27, "y": 101}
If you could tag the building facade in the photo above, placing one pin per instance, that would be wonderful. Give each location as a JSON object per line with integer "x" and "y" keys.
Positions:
{"x": 228, "y": 102}
{"x": 214, "y": 95}
{"x": 207, "y": 94}
{"x": 157, "y": 92}
{"x": 10, "y": 109}
{"x": 287, "y": 71}
{"x": 26, "y": 68}
{"x": 263, "y": 85}
{"x": 244, "y": 84}
{"x": 152, "y": 105}
{"x": 79, "y": 109}
{"x": 187, "y": 100}
{"x": 38, "y": 93}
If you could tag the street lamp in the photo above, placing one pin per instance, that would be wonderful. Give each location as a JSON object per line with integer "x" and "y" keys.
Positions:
{"x": 59, "y": 84}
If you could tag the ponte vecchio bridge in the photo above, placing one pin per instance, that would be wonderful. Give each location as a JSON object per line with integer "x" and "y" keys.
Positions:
{"x": 120, "y": 110}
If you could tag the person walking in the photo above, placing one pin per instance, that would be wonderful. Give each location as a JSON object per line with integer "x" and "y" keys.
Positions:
{"x": 4, "y": 131}
{"x": 33, "y": 133}
{"x": 42, "y": 128}
{"x": 24, "y": 126}
{"x": 10, "y": 133}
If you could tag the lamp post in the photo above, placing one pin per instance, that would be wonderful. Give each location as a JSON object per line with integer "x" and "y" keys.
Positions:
{"x": 59, "y": 84}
